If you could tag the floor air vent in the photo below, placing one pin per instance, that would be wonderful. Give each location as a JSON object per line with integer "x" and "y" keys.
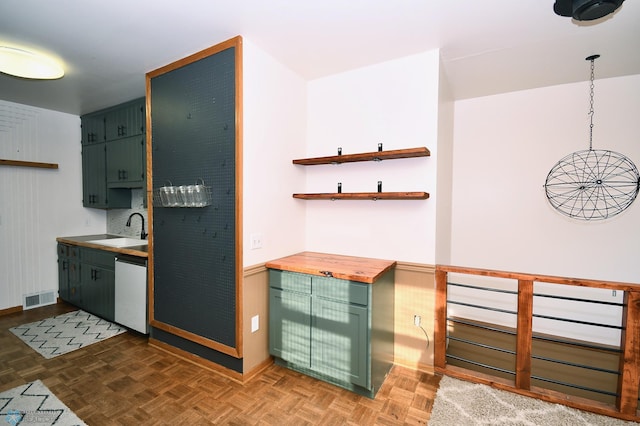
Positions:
{"x": 40, "y": 299}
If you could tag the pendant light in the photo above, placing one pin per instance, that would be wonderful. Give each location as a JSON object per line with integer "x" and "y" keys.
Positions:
{"x": 592, "y": 184}
{"x": 26, "y": 64}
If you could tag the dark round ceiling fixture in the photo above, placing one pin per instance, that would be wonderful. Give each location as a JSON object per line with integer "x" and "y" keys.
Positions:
{"x": 586, "y": 10}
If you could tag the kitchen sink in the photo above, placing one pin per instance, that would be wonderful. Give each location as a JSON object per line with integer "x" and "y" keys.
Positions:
{"x": 120, "y": 242}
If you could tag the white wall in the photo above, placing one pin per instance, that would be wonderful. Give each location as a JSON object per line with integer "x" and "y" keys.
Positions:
{"x": 394, "y": 103}
{"x": 445, "y": 171}
{"x": 38, "y": 205}
{"x": 505, "y": 146}
{"x": 274, "y": 134}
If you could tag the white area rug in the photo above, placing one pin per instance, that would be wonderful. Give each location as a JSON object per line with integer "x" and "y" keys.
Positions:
{"x": 34, "y": 404}
{"x": 65, "y": 333}
{"x": 464, "y": 403}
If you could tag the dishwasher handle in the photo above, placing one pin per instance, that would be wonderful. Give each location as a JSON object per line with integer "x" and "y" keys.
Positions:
{"x": 133, "y": 260}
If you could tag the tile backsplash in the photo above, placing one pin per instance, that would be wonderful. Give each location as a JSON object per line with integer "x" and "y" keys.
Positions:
{"x": 117, "y": 218}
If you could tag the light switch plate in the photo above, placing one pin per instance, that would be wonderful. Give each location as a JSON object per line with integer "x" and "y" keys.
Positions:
{"x": 256, "y": 241}
{"x": 255, "y": 323}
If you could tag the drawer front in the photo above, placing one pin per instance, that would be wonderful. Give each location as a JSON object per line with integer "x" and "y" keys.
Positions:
{"x": 99, "y": 258}
{"x": 73, "y": 252}
{"x": 341, "y": 290}
{"x": 69, "y": 251}
{"x": 290, "y": 281}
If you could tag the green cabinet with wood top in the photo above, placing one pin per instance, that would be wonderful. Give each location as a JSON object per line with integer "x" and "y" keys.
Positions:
{"x": 69, "y": 273}
{"x": 338, "y": 330}
{"x": 98, "y": 282}
{"x": 86, "y": 279}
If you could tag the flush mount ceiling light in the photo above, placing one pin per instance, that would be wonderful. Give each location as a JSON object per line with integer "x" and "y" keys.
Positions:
{"x": 25, "y": 64}
{"x": 586, "y": 10}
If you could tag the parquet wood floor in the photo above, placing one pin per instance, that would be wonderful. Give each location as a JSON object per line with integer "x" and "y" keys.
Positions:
{"x": 124, "y": 381}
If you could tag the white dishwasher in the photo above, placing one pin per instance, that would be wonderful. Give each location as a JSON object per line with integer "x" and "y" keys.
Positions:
{"x": 131, "y": 293}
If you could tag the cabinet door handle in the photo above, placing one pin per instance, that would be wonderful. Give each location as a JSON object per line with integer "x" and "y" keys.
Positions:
{"x": 327, "y": 273}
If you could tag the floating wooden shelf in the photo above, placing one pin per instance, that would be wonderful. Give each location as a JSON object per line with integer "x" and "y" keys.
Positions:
{"x": 364, "y": 196}
{"x": 365, "y": 156}
{"x": 28, "y": 164}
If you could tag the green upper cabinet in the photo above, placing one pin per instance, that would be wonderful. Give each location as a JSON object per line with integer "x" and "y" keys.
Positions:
{"x": 94, "y": 188}
{"x": 113, "y": 155}
{"x": 95, "y": 193}
{"x": 126, "y": 162}
{"x": 93, "y": 130}
{"x": 126, "y": 120}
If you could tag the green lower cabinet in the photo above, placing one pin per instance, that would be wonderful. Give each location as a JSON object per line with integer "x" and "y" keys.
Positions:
{"x": 326, "y": 328}
{"x": 340, "y": 341}
{"x": 98, "y": 291}
{"x": 290, "y": 326}
{"x": 86, "y": 279}
{"x": 68, "y": 273}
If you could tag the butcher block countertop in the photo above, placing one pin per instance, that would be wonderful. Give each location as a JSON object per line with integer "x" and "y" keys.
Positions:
{"x": 361, "y": 269}
{"x": 83, "y": 241}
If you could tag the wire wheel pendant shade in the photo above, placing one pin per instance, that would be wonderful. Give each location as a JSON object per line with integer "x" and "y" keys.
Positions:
{"x": 592, "y": 184}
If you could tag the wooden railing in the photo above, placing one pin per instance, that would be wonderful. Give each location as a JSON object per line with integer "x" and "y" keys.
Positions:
{"x": 626, "y": 399}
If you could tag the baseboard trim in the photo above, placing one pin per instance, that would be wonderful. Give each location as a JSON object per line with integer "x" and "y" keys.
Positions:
{"x": 210, "y": 365}
{"x": 9, "y": 311}
{"x": 257, "y": 370}
{"x": 194, "y": 359}
{"x": 415, "y": 366}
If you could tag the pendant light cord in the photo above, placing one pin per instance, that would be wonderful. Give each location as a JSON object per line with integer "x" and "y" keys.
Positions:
{"x": 591, "y": 112}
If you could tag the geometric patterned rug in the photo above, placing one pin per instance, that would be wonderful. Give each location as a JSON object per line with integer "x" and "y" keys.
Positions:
{"x": 34, "y": 404}
{"x": 464, "y": 403}
{"x": 65, "y": 333}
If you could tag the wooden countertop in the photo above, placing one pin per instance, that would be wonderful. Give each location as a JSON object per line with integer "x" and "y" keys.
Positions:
{"x": 83, "y": 241}
{"x": 361, "y": 269}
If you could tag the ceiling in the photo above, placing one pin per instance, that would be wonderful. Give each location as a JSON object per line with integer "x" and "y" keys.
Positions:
{"x": 487, "y": 47}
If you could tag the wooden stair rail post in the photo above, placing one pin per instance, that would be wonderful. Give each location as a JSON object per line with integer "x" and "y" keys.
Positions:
{"x": 440, "y": 329}
{"x": 629, "y": 380}
{"x": 524, "y": 334}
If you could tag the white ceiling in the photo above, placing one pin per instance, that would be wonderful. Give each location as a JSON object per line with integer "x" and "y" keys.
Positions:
{"x": 487, "y": 47}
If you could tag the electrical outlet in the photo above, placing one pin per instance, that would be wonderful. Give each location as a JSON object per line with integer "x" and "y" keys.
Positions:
{"x": 256, "y": 241}
{"x": 417, "y": 320}
{"x": 255, "y": 323}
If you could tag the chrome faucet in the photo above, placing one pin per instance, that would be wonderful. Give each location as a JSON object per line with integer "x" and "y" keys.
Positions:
{"x": 143, "y": 234}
